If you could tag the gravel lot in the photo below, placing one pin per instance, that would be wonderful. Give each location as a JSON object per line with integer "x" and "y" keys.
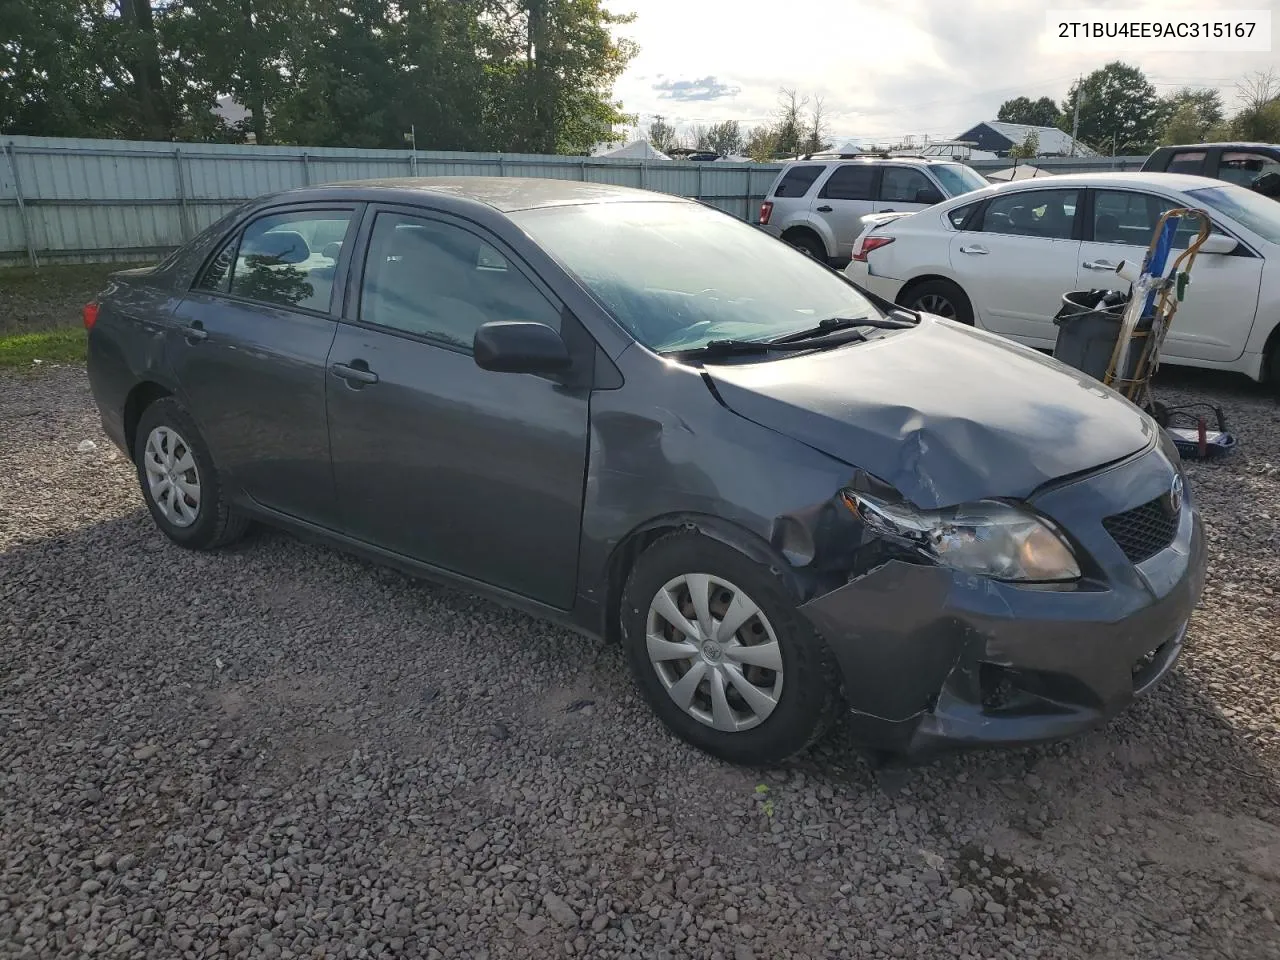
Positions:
{"x": 279, "y": 751}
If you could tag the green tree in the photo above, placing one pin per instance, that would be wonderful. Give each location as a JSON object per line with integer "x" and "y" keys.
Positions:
{"x": 725, "y": 138}
{"x": 1117, "y": 105}
{"x": 789, "y": 129}
{"x": 1030, "y": 147}
{"x": 532, "y": 75}
{"x": 1038, "y": 113}
{"x": 661, "y": 135}
{"x": 761, "y": 143}
{"x": 1190, "y": 115}
{"x": 1259, "y": 116}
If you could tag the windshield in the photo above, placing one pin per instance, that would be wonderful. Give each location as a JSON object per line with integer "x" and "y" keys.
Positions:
{"x": 679, "y": 275}
{"x": 956, "y": 178}
{"x": 1251, "y": 210}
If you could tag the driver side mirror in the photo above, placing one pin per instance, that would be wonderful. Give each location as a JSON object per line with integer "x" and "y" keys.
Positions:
{"x": 1219, "y": 243}
{"x": 519, "y": 346}
{"x": 929, "y": 196}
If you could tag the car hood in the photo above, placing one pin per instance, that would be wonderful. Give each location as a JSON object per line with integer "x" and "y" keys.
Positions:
{"x": 945, "y": 413}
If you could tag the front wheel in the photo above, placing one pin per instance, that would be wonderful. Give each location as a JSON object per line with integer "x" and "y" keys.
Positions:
{"x": 718, "y": 649}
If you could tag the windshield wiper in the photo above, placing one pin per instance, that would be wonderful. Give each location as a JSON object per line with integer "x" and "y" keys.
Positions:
{"x": 831, "y": 324}
{"x": 832, "y": 337}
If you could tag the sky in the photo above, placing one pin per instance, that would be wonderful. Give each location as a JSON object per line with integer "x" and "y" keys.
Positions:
{"x": 889, "y": 68}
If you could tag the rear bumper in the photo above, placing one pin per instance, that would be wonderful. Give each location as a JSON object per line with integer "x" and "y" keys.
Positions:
{"x": 884, "y": 287}
{"x": 935, "y": 660}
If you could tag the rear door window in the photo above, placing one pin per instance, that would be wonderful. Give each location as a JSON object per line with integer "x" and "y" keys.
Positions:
{"x": 290, "y": 259}
{"x": 287, "y": 259}
{"x": 1047, "y": 214}
{"x": 1187, "y": 161}
{"x": 797, "y": 181}
{"x": 850, "y": 182}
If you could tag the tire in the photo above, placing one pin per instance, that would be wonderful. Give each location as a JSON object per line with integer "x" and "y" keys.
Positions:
{"x": 934, "y": 296}
{"x": 805, "y": 691}
{"x": 1272, "y": 369}
{"x": 808, "y": 243}
{"x": 189, "y": 506}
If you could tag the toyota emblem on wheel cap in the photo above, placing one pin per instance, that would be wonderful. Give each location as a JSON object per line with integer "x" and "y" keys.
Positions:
{"x": 1175, "y": 495}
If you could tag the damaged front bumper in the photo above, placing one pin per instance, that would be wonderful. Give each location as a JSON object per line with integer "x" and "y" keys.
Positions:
{"x": 933, "y": 659}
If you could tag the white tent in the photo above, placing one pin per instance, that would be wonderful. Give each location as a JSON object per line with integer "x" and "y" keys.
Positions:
{"x": 1023, "y": 171}
{"x": 636, "y": 150}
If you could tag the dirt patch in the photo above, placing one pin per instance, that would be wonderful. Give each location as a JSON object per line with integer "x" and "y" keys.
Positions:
{"x": 50, "y": 298}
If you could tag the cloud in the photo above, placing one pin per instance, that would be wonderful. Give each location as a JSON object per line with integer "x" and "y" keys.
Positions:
{"x": 708, "y": 88}
{"x": 938, "y": 69}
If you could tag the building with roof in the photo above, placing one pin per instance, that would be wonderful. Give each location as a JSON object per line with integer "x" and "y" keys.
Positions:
{"x": 999, "y": 138}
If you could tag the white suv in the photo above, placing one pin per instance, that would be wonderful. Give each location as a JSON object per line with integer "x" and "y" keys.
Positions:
{"x": 817, "y": 202}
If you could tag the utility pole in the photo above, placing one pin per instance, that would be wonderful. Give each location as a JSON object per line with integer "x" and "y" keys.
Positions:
{"x": 1075, "y": 118}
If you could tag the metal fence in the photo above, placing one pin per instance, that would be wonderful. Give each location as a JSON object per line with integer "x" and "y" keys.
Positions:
{"x": 69, "y": 200}
{"x": 66, "y": 200}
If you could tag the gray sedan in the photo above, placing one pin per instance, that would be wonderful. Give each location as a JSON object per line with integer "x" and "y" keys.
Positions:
{"x": 788, "y": 499}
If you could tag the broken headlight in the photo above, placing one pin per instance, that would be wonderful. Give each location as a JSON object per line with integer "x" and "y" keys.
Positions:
{"x": 988, "y": 538}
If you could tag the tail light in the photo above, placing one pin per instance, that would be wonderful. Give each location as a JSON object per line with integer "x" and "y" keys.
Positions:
{"x": 766, "y": 211}
{"x": 868, "y": 244}
{"x": 90, "y": 315}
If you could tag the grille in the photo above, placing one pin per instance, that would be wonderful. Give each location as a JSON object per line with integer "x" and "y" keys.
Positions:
{"x": 1143, "y": 531}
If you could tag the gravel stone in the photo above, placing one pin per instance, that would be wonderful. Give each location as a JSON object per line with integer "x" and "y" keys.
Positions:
{"x": 338, "y": 787}
{"x": 559, "y": 911}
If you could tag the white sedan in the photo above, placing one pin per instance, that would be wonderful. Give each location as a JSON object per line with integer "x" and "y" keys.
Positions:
{"x": 1002, "y": 258}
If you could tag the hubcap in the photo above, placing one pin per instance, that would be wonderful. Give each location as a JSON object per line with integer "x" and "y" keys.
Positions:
{"x": 172, "y": 476}
{"x": 715, "y": 652}
{"x": 938, "y": 305}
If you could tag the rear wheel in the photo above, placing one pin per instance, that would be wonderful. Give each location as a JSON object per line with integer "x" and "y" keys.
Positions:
{"x": 941, "y": 298}
{"x": 720, "y": 652}
{"x": 179, "y": 481}
{"x": 808, "y": 243}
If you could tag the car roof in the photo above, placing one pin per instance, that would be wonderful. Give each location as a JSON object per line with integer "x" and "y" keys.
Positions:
{"x": 1110, "y": 178}
{"x": 1220, "y": 143}
{"x": 506, "y": 194}
{"x": 819, "y": 161}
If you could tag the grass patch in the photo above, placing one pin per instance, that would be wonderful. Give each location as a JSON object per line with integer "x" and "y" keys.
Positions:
{"x": 51, "y": 346}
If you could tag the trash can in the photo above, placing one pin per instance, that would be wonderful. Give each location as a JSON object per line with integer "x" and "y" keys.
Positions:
{"x": 1088, "y": 328}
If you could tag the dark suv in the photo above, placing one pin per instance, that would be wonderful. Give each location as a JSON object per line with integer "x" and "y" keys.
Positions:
{"x": 1240, "y": 163}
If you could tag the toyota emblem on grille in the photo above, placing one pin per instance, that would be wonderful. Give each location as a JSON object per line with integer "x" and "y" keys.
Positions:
{"x": 1175, "y": 496}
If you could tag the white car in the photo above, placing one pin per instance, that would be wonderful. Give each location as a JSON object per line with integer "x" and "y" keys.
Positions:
{"x": 1001, "y": 258}
{"x": 817, "y": 204}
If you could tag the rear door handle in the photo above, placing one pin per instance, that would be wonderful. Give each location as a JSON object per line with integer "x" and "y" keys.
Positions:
{"x": 974, "y": 250}
{"x": 1106, "y": 265}
{"x": 825, "y": 208}
{"x": 196, "y": 332}
{"x": 355, "y": 373}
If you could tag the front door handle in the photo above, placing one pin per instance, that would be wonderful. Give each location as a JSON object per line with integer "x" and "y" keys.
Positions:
{"x": 825, "y": 208}
{"x": 888, "y": 210}
{"x": 974, "y": 250}
{"x": 1104, "y": 265}
{"x": 356, "y": 373}
{"x": 196, "y": 332}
